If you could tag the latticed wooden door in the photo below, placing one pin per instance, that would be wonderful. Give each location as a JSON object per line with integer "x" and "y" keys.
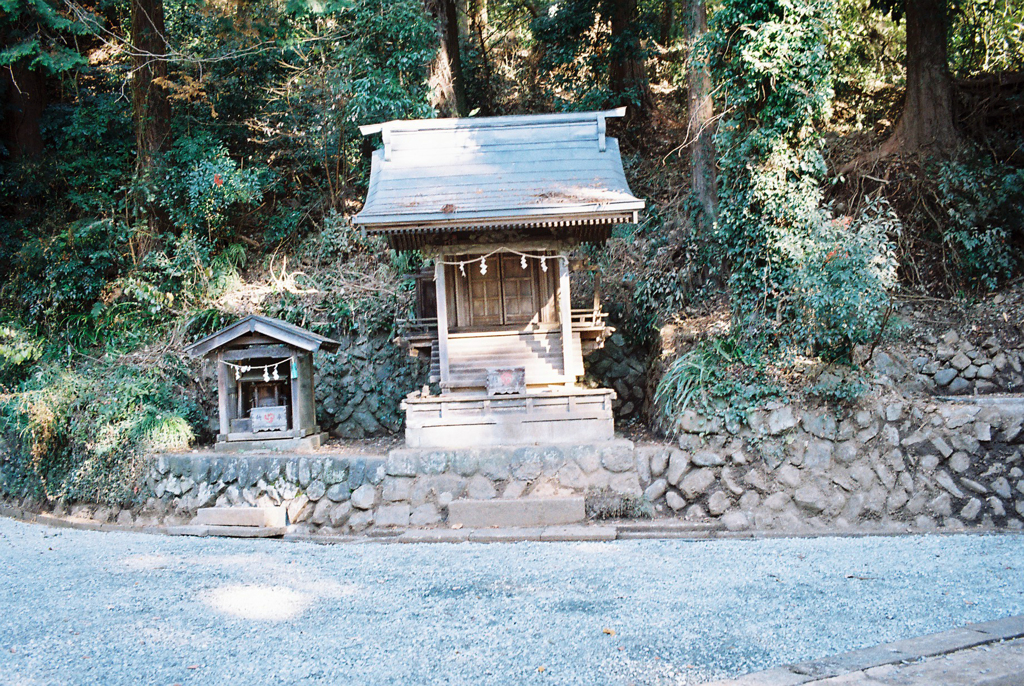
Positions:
{"x": 519, "y": 300}
{"x": 505, "y": 295}
{"x": 485, "y": 297}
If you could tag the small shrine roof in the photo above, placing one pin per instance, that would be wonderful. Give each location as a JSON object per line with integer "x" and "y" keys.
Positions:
{"x": 550, "y": 170}
{"x": 277, "y": 329}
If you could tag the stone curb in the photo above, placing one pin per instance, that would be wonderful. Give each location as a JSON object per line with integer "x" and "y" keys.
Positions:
{"x": 667, "y": 530}
{"x": 907, "y": 650}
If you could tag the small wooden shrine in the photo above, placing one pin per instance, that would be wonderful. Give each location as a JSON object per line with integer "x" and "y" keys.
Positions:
{"x": 265, "y": 384}
{"x": 498, "y": 203}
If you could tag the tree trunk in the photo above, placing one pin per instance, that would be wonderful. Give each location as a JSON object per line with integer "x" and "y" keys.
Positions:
{"x": 446, "y": 72}
{"x": 627, "y": 75}
{"x": 151, "y": 110}
{"x": 480, "y": 27}
{"x": 700, "y": 124}
{"x": 926, "y": 124}
{"x": 668, "y": 17}
{"x": 24, "y": 101}
{"x": 927, "y": 120}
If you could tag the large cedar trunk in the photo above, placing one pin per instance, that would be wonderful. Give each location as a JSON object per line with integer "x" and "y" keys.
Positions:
{"x": 627, "y": 75}
{"x": 446, "y": 71}
{"x": 151, "y": 108}
{"x": 24, "y": 100}
{"x": 926, "y": 124}
{"x": 927, "y": 120}
{"x": 700, "y": 124}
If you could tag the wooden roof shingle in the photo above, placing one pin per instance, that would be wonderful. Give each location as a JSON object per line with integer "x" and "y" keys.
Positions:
{"x": 278, "y": 329}
{"x": 496, "y": 172}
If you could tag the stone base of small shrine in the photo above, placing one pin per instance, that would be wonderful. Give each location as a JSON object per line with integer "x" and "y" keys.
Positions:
{"x": 278, "y": 441}
{"x": 537, "y": 417}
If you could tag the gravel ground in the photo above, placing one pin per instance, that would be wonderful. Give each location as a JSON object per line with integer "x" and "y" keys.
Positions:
{"x": 83, "y": 607}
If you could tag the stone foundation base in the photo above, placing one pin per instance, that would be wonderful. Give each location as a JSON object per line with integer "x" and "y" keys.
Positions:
{"x": 886, "y": 465}
{"x": 472, "y": 420}
{"x": 306, "y": 444}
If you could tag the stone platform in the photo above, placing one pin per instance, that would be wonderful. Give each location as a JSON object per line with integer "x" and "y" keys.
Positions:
{"x": 304, "y": 444}
{"x": 538, "y": 417}
{"x": 347, "y": 492}
{"x": 896, "y": 464}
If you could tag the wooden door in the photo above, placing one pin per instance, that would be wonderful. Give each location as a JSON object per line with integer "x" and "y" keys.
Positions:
{"x": 485, "y": 296}
{"x": 519, "y": 300}
{"x": 506, "y": 295}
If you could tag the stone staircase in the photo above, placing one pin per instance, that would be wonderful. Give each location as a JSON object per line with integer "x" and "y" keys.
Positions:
{"x": 236, "y": 522}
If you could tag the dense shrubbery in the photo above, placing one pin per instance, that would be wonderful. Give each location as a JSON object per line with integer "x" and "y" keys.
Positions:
{"x": 81, "y": 434}
{"x": 982, "y": 224}
{"x": 801, "y": 279}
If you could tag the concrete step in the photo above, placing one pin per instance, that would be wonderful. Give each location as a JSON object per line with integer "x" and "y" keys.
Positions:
{"x": 228, "y": 531}
{"x": 568, "y": 533}
{"x": 661, "y": 527}
{"x": 523, "y": 512}
{"x": 241, "y": 516}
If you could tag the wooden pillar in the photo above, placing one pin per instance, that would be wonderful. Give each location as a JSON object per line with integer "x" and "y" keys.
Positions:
{"x": 293, "y": 374}
{"x": 565, "y": 317}
{"x": 223, "y": 401}
{"x": 442, "y": 321}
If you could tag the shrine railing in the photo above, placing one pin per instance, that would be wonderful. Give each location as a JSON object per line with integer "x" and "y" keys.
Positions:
{"x": 417, "y": 328}
{"x": 588, "y": 318}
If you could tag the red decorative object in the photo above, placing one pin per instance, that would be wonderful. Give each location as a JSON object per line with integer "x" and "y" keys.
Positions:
{"x": 217, "y": 180}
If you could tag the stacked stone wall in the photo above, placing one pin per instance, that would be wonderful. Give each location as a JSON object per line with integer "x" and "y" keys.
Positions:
{"x": 347, "y": 494}
{"x": 621, "y": 367}
{"x": 890, "y": 464}
{"x": 954, "y": 364}
{"x": 922, "y": 465}
{"x": 359, "y": 388}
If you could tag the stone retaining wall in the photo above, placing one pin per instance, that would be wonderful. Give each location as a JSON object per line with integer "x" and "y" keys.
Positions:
{"x": 888, "y": 464}
{"x": 623, "y": 368}
{"x": 406, "y": 488}
{"x": 359, "y": 388}
{"x": 954, "y": 365}
{"x": 922, "y": 464}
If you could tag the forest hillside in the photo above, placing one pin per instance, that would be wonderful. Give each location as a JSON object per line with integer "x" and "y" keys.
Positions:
{"x": 816, "y": 171}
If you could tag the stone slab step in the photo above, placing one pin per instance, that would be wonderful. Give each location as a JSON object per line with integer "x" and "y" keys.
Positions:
{"x": 667, "y": 526}
{"x": 305, "y": 445}
{"x": 228, "y": 531}
{"x": 523, "y": 512}
{"x": 241, "y": 516}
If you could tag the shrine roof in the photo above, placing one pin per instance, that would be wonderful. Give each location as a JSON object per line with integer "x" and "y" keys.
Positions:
{"x": 277, "y": 329}
{"x": 550, "y": 170}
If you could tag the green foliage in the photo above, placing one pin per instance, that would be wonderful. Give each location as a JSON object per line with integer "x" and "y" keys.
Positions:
{"x": 866, "y": 48}
{"x": 986, "y": 36}
{"x": 578, "y": 50}
{"x": 19, "y": 350}
{"x": 203, "y": 186}
{"x": 799, "y": 278}
{"x": 62, "y": 275}
{"x": 839, "y": 286}
{"x": 39, "y": 33}
{"x": 82, "y": 434}
{"x": 718, "y": 376}
{"x": 982, "y": 225}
